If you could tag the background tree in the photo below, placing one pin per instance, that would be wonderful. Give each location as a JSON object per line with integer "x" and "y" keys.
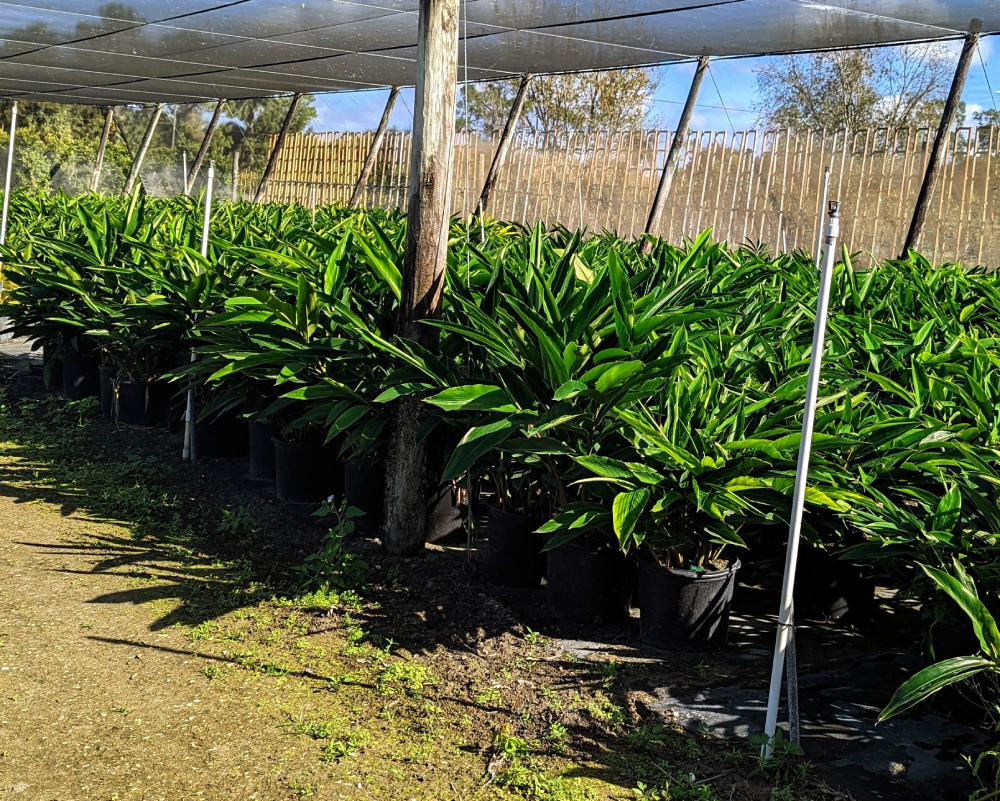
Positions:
{"x": 852, "y": 89}
{"x": 614, "y": 100}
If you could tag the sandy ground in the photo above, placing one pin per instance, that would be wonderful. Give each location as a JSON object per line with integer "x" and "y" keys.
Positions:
{"x": 93, "y": 704}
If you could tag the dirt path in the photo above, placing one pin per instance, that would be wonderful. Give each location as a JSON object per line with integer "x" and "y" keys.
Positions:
{"x": 146, "y": 652}
{"x": 93, "y": 704}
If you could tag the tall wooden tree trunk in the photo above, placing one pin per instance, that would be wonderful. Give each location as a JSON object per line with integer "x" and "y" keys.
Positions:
{"x": 428, "y": 212}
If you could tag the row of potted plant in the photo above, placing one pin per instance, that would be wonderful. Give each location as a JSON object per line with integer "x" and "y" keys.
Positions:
{"x": 618, "y": 412}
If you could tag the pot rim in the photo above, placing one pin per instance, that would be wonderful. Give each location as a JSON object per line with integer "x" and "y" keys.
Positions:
{"x": 692, "y": 575}
{"x": 494, "y": 509}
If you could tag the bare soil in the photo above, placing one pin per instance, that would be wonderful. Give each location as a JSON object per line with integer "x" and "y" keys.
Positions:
{"x": 154, "y": 647}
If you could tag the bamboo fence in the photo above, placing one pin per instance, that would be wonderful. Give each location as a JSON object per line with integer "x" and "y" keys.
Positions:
{"x": 748, "y": 186}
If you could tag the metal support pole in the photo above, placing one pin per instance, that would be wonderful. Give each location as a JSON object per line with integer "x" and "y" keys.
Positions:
{"x": 357, "y": 196}
{"x": 312, "y": 203}
{"x": 424, "y": 261}
{"x": 235, "y": 188}
{"x": 941, "y": 137}
{"x": 184, "y": 172}
{"x": 147, "y": 137}
{"x": 101, "y": 147}
{"x": 503, "y": 146}
{"x": 801, "y": 477}
{"x": 190, "y": 446}
{"x": 673, "y": 155}
{"x": 273, "y": 158}
{"x": 203, "y": 150}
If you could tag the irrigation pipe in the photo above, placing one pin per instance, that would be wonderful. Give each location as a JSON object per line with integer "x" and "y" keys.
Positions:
{"x": 190, "y": 449}
{"x": 801, "y": 477}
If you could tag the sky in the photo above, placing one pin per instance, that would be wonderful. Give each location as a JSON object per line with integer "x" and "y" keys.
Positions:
{"x": 733, "y": 90}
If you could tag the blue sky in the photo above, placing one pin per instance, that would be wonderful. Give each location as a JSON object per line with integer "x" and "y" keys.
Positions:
{"x": 359, "y": 111}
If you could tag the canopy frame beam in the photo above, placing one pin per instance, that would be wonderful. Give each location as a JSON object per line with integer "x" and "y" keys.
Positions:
{"x": 941, "y": 138}
{"x": 278, "y": 144}
{"x": 206, "y": 142}
{"x": 673, "y": 156}
{"x": 140, "y": 154}
{"x": 503, "y": 146}
{"x": 102, "y": 145}
{"x": 358, "y": 195}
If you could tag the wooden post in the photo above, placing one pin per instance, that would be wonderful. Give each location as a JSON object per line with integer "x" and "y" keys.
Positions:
{"x": 366, "y": 169}
{"x": 504, "y": 144}
{"x": 140, "y": 154}
{"x": 203, "y": 150}
{"x": 947, "y": 117}
{"x": 670, "y": 164}
{"x": 235, "y": 188}
{"x": 273, "y": 159}
{"x": 101, "y": 147}
{"x": 424, "y": 261}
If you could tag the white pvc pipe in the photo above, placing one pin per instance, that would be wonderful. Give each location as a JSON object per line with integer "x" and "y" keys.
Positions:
{"x": 10, "y": 170}
{"x": 6, "y": 186}
{"x": 822, "y": 206}
{"x": 184, "y": 171}
{"x": 801, "y": 477}
{"x": 190, "y": 449}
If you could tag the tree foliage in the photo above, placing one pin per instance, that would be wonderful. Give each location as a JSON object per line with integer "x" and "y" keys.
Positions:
{"x": 56, "y": 144}
{"x": 851, "y": 89}
{"x": 614, "y": 100}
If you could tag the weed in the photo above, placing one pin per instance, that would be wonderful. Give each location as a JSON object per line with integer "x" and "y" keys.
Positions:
{"x": 336, "y": 750}
{"x": 240, "y": 524}
{"x": 408, "y": 677}
{"x": 533, "y": 637}
{"x": 558, "y": 735}
{"x": 504, "y": 742}
{"x": 211, "y": 671}
{"x": 604, "y": 710}
{"x": 332, "y": 567}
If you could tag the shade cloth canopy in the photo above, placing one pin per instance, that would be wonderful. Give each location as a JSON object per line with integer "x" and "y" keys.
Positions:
{"x": 186, "y": 51}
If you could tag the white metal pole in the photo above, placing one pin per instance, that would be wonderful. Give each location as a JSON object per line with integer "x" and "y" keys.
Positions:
{"x": 190, "y": 450}
{"x": 10, "y": 171}
{"x": 6, "y": 187}
{"x": 312, "y": 204}
{"x": 184, "y": 171}
{"x": 824, "y": 190}
{"x": 801, "y": 476}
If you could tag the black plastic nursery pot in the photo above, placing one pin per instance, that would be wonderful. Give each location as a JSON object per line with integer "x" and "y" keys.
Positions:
{"x": 364, "y": 488}
{"x": 106, "y": 380}
{"x": 515, "y": 557}
{"x": 80, "y": 376}
{"x": 685, "y": 610}
{"x": 143, "y": 403}
{"x": 223, "y": 436}
{"x": 307, "y": 472}
{"x": 445, "y": 512}
{"x": 589, "y": 583}
{"x": 51, "y": 367}
{"x": 831, "y": 588}
{"x": 261, "y": 436}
